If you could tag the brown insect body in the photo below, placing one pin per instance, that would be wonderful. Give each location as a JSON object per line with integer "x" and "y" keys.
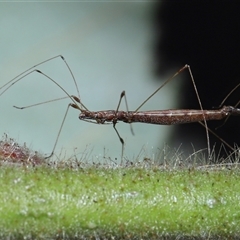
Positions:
{"x": 162, "y": 117}
{"x": 105, "y": 116}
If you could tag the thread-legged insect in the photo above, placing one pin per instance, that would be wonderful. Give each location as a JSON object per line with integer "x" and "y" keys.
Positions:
{"x": 163, "y": 117}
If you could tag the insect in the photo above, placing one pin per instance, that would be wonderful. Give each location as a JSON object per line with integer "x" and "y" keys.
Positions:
{"x": 162, "y": 117}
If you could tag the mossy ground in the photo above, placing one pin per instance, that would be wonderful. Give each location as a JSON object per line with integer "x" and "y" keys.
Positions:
{"x": 173, "y": 198}
{"x": 125, "y": 202}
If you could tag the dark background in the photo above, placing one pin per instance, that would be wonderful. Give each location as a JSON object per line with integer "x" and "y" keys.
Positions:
{"x": 205, "y": 35}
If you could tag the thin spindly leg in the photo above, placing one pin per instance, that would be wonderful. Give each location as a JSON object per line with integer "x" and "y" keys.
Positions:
{"x": 59, "y": 132}
{"x": 123, "y": 94}
{"x": 121, "y": 140}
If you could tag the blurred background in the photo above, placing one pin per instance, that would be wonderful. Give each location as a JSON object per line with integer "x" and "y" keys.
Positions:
{"x": 205, "y": 35}
{"x": 109, "y": 49}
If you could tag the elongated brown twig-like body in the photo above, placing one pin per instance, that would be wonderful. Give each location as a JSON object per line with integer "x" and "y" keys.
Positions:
{"x": 161, "y": 117}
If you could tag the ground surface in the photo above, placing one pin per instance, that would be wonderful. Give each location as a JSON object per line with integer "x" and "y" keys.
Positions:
{"x": 74, "y": 199}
